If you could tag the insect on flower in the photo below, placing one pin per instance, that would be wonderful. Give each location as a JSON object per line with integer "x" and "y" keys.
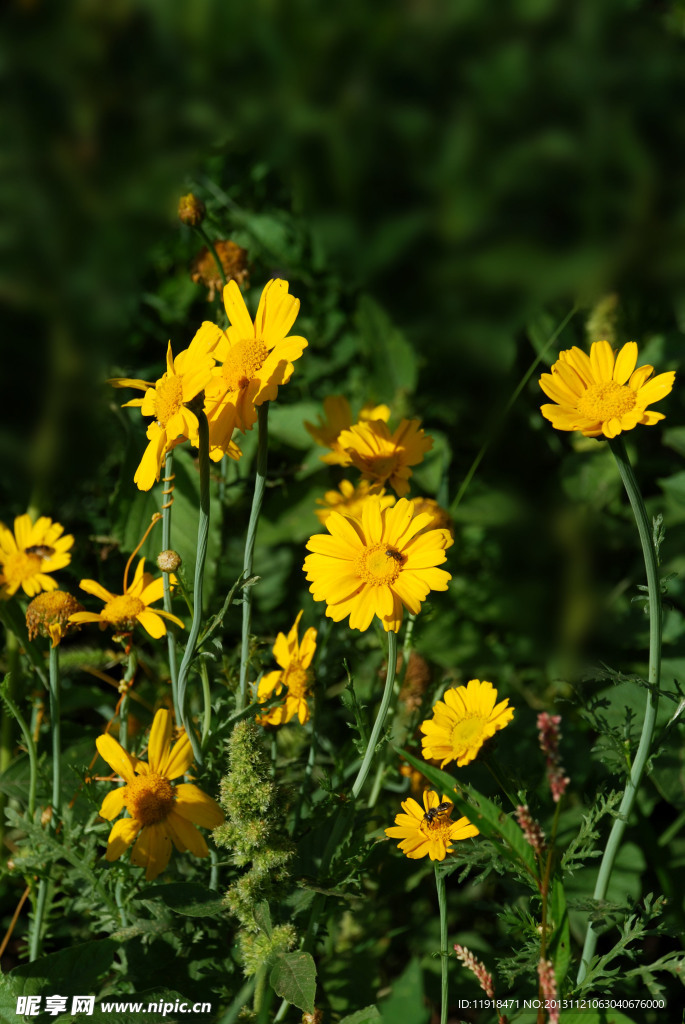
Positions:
{"x": 42, "y": 550}
{"x": 393, "y": 553}
{"x": 443, "y": 810}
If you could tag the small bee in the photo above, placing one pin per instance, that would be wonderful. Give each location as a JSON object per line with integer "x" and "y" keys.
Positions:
{"x": 42, "y": 550}
{"x": 391, "y": 553}
{"x": 437, "y": 813}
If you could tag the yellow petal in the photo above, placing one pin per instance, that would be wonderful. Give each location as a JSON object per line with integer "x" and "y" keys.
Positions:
{"x": 625, "y": 362}
{"x": 113, "y": 804}
{"x": 120, "y": 838}
{"x": 160, "y": 739}
{"x": 186, "y": 835}
{"x": 179, "y": 759}
{"x": 195, "y": 805}
{"x": 115, "y": 756}
{"x": 602, "y": 361}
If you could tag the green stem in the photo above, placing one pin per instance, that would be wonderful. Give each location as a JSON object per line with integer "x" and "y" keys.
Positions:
{"x": 166, "y": 546}
{"x": 6, "y": 731}
{"x": 37, "y": 924}
{"x": 206, "y": 702}
{"x": 635, "y": 777}
{"x": 200, "y": 556}
{"x": 342, "y": 820}
{"x": 210, "y": 245}
{"x": 5, "y": 693}
{"x": 380, "y": 717}
{"x": 123, "y": 707}
{"x": 258, "y": 497}
{"x": 380, "y": 770}
{"x": 55, "y": 729}
{"x": 512, "y": 399}
{"x": 444, "y": 956}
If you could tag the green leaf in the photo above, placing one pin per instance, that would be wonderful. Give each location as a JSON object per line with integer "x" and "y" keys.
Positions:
{"x": 393, "y": 362}
{"x": 70, "y": 972}
{"x": 187, "y": 898}
{"x": 368, "y": 1015}
{"x": 490, "y": 819}
{"x": 560, "y": 944}
{"x": 262, "y": 917}
{"x": 406, "y": 1003}
{"x": 293, "y": 977}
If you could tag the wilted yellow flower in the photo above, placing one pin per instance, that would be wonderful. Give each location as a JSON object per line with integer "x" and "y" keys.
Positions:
{"x": 257, "y": 358}
{"x": 462, "y": 722}
{"x": 603, "y": 393}
{"x": 32, "y": 551}
{"x": 338, "y": 417}
{"x": 349, "y": 499}
{"x": 48, "y": 614}
{"x": 429, "y": 831}
{"x": 383, "y": 457}
{"x": 191, "y": 210}
{"x": 295, "y": 659}
{"x": 160, "y": 814}
{"x": 203, "y": 269}
{"x": 122, "y": 611}
{"x": 167, "y": 400}
{"x": 376, "y": 563}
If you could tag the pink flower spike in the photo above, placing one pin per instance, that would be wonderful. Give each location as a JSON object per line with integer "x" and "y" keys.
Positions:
{"x": 549, "y": 734}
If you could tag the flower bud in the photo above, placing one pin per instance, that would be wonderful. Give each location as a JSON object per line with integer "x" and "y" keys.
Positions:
{"x": 169, "y": 560}
{"x": 191, "y": 210}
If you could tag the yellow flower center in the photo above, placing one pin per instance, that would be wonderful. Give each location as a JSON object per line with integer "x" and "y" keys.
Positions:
{"x": 605, "y": 401}
{"x": 168, "y": 398}
{"x": 123, "y": 611}
{"x": 467, "y": 733}
{"x": 297, "y": 680}
{"x": 379, "y": 564}
{"x": 243, "y": 363}
{"x": 438, "y": 829}
{"x": 149, "y": 798}
{"x": 20, "y": 566}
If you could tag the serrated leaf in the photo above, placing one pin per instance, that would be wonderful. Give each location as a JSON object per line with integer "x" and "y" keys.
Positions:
{"x": 293, "y": 977}
{"x": 187, "y": 898}
{"x": 490, "y": 819}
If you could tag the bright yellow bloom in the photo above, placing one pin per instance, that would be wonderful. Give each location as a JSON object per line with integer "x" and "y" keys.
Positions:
{"x": 384, "y": 457}
{"x": 48, "y": 614}
{"x": 338, "y": 417}
{"x": 295, "y": 659}
{"x": 122, "y": 611}
{"x": 167, "y": 399}
{"x": 603, "y": 393}
{"x": 429, "y": 831}
{"x": 160, "y": 814}
{"x": 32, "y": 551}
{"x": 349, "y": 499}
{"x": 376, "y": 563}
{"x": 462, "y": 722}
{"x": 257, "y": 358}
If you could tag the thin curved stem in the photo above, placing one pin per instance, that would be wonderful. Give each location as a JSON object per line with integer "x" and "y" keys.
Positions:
{"x": 210, "y": 245}
{"x": 55, "y": 729}
{"x": 512, "y": 399}
{"x": 168, "y": 494}
{"x": 444, "y": 957}
{"x": 200, "y": 556}
{"x": 257, "y": 498}
{"x": 654, "y": 590}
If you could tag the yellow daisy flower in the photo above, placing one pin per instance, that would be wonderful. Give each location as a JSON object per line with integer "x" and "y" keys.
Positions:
{"x": 338, "y": 417}
{"x": 167, "y": 399}
{"x": 462, "y": 722}
{"x": 295, "y": 659}
{"x": 375, "y": 564}
{"x": 32, "y": 551}
{"x": 349, "y": 500}
{"x": 603, "y": 393}
{"x": 429, "y": 830}
{"x": 49, "y": 614}
{"x": 160, "y": 814}
{"x": 257, "y": 358}
{"x": 384, "y": 457}
{"x": 122, "y": 611}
